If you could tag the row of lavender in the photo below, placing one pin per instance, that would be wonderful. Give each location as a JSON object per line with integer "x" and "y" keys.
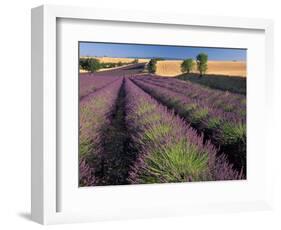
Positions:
{"x": 169, "y": 150}
{"x": 221, "y": 117}
{"x": 95, "y": 115}
{"x": 231, "y": 104}
{"x": 89, "y": 83}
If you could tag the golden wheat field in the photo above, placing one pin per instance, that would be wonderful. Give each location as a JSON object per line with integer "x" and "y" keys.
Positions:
{"x": 116, "y": 60}
{"x": 231, "y": 68}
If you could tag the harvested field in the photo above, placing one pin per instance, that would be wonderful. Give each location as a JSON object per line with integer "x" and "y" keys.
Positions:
{"x": 232, "y": 68}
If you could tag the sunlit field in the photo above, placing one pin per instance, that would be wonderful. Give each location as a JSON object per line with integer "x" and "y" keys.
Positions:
{"x": 171, "y": 68}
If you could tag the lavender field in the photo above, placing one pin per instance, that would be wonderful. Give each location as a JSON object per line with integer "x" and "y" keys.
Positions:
{"x": 140, "y": 128}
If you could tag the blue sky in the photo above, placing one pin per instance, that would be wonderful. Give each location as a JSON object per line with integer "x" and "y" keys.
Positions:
{"x": 172, "y": 52}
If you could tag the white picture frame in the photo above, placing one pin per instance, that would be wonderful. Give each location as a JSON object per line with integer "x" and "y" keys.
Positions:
{"x": 45, "y": 167}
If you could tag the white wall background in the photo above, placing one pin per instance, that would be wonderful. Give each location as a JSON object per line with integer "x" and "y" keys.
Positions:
{"x": 15, "y": 113}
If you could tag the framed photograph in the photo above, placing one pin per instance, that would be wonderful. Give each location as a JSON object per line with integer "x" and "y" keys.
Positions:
{"x": 140, "y": 114}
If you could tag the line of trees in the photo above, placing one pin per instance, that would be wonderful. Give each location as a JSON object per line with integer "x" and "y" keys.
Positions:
{"x": 93, "y": 64}
{"x": 90, "y": 64}
{"x": 187, "y": 66}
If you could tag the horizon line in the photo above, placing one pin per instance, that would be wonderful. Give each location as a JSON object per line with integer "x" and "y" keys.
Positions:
{"x": 164, "y": 58}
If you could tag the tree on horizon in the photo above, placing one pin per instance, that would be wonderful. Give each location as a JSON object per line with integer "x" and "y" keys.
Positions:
{"x": 202, "y": 63}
